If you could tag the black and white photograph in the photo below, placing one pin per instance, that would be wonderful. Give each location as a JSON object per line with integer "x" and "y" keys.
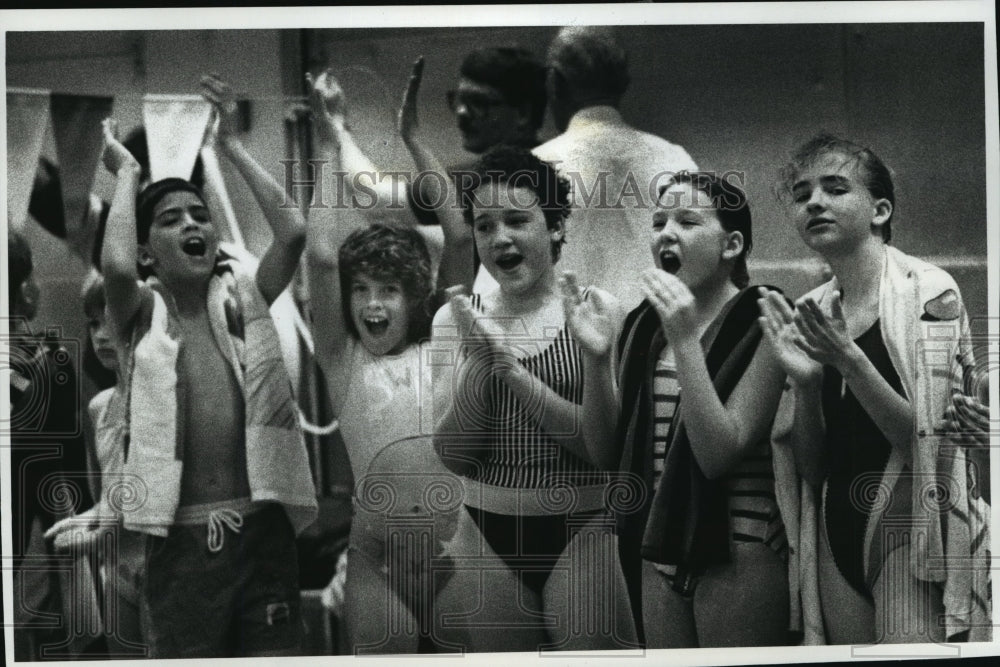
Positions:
{"x": 648, "y": 331}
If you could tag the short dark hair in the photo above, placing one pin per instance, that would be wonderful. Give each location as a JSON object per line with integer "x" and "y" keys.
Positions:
{"x": 732, "y": 209}
{"x": 520, "y": 168}
{"x": 151, "y": 195}
{"x": 389, "y": 252}
{"x": 875, "y": 175}
{"x": 19, "y": 264}
{"x": 591, "y": 61}
{"x": 517, "y": 73}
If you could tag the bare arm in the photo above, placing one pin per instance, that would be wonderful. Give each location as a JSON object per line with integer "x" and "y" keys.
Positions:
{"x": 452, "y": 376}
{"x": 806, "y": 377}
{"x": 288, "y": 228}
{"x": 595, "y": 324}
{"x": 720, "y": 434}
{"x": 825, "y": 339}
{"x": 457, "y": 266}
{"x": 327, "y": 230}
{"x": 118, "y": 254}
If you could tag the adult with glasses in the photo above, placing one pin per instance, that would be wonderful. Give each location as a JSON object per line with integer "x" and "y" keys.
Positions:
{"x": 499, "y": 99}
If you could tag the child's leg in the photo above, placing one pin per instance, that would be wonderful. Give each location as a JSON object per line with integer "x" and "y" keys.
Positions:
{"x": 377, "y": 620}
{"x": 485, "y": 606}
{"x": 848, "y": 617}
{"x": 907, "y": 610}
{"x": 668, "y": 617}
{"x": 586, "y": 592}
{"x": 744, "y": 603}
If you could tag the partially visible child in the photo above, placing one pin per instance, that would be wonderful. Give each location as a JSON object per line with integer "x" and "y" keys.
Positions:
{"x": 122, "y": 562}
{"x": 214, "y": 445}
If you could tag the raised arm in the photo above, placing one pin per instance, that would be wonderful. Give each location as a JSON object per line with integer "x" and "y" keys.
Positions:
{"x": 457, "y": 266}
{"x": 375, "y": 191}
{"x": 118, "y": 254}
{"x": 327, "y": 229}
{"x": 288, "y": 228}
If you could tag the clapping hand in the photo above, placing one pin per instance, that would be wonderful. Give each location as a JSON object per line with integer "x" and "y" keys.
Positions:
{"x": 592, "y": 322}
{"x": 223, "y": 100}
{"x": 115, "y": 156}
{"x": 780, "y": 331}
{"x": 673, "y": 302}
{"x": 328, "y": 104}
{"x": 481, "y": 336}
{"x": 824, "y": 335}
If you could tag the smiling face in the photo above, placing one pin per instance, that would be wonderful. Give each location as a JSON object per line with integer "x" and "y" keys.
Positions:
{"x": 689, "y": 241}
{"x": 183, "y": 241}
{"x": 833, "y": 210}
{"x": 100, "y": 336}
{"x": 512, "y": 238}
{"x": 380, "y": 314}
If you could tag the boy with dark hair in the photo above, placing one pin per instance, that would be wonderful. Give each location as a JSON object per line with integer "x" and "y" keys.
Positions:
{"x": 214, "y": 440}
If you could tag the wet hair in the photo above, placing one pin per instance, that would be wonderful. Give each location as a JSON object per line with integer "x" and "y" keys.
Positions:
{"x": 390, "y": 252}
{"x": 19, "y": 264}
{"x": 519, "y": 167}
{"x": 591, "y": 61}
{"x": 732, "y": 209}
{"x": 151, "y": 195}
{"x": 875, "y": 175}
{"x": 518, "y": 74}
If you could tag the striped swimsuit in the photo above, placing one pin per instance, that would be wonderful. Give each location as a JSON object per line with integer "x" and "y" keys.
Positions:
{"x": 530, "y": 537}
{"x": 753, "y": 507}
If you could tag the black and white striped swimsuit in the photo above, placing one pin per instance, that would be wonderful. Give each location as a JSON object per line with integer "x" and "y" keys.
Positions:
{"x": 520, "y": 454}
{"x": 517, "y": 497}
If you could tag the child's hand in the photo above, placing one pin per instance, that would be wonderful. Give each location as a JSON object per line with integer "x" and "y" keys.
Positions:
{"x": 823, "y": 333}
{"x": 481, "y": 336}
{"x": 84, "y": 527}
{"x": 329, "y": 107}
{"x": 407, "y": 120}
{"x": 115, "y": 156}
{"x": 780, "y": 332}
{"x": 223, "y": 100}
{"x": 967, "y": 420}
{"x": 591, "y": 322}
{"x": 673, "y": 302}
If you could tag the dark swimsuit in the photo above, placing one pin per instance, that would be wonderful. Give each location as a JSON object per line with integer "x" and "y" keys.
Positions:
{"x": 854, "y": 446}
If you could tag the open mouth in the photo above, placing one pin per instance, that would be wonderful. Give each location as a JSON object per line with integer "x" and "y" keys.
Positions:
{"x": 194, "y": 246}
{"x": 376, "y": 325}
{"x": 669, "y": 262}
{"x": 509, "y": 260}
{"x": 105, "y": 353}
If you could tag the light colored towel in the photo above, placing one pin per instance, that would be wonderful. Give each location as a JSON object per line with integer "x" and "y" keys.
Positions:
{"x": 277, "y": 463}
{"x": 924, "y": 327}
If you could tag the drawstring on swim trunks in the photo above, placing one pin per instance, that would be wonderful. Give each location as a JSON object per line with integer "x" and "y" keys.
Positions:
{"x": 218, "y": 521}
